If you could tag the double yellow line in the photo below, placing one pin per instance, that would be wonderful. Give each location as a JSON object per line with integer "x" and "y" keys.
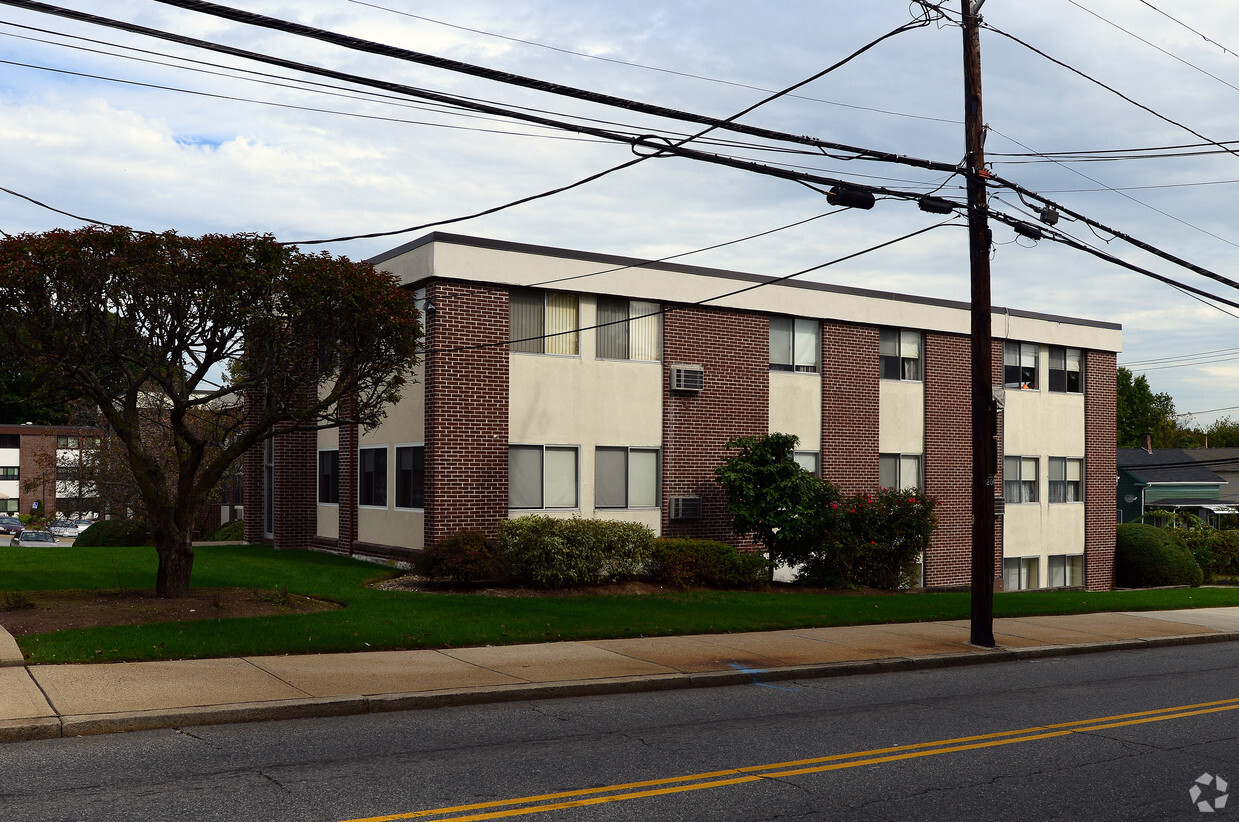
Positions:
{"x": 736, "y": 776}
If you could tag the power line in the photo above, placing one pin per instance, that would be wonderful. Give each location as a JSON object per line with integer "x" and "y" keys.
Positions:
{"x": 1180, "y": 357}
{"x": 1189, "y": 28}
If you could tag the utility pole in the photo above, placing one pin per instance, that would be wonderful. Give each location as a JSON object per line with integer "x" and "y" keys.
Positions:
{"x": 984, "y": 421}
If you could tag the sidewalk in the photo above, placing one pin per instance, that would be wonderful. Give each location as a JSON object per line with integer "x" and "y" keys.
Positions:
{"x": 45, "y": 701}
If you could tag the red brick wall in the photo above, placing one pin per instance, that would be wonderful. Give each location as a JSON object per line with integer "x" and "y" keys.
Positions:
{"x": 296, "y": 491}
{"x": 37, "y": 465}
{"x": 466, "y": 410}
{"x": 948, "y": 457}
{"x": 1099, "y": 469}
{"x": 346, "y": 527}
{"x": 734, "y": 349}
{"x": 251, "y": 467}
{"x": 850, "y": 382}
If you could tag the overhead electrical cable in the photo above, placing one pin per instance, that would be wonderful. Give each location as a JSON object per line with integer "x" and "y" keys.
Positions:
{"x": 41, "y": 204}
{"x": 644, "y": 67}
{"x": 1179, "y": 357}
{"x": 1201, "y": 35}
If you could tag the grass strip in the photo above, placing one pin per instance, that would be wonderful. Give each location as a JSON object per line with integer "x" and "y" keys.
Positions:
{"x": 386, "y": 620}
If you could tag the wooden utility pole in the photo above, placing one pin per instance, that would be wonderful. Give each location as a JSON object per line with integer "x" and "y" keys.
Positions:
{"x": 984, "y": 421}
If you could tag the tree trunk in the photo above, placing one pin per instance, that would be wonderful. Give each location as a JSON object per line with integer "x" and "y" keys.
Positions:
{"x": 176, "y": 563}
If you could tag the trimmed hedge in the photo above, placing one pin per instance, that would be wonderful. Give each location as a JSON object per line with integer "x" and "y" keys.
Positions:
{"x": 556, "y": 553}
{"x": 465, "y": 557}
{"x": 681, "y": 562}
{"x": 228, "y": 532}
{"x": 1146, "y": 557}
{"x": 113, "y": 533}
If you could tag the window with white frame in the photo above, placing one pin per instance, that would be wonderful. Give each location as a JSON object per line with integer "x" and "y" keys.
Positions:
{"x": 543, "y": 322}
{"x": 899, "y": 354}
{"x": 795, "y": 344}
{"x": 329, "y": 477}
{"x": 1019, "y": 365}
{"x": 808, "y": 460}
{"x": 542, "y": 476}
{"x": 1065, "y": 570}
{"x": 410, "y": 476}
{"x": 899, "y": 471}
{"x": 629, "y": 330}
{"x": 372, "y": 477}
{"x": 625, "y": 477}
{"x": 1019, "y": 479}
{"x": 1021, "y": 573}
{"x": 1066, "y": 479}
{"x": 1066, "y": 370}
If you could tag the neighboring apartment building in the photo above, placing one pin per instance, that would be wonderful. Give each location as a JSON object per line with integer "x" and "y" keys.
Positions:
{"x": 569, "y": 383}
{"x": 39, "y": 470}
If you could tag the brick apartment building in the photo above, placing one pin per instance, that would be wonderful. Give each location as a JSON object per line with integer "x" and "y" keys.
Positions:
{"x": 577, "y": 384}
{"x": 39, "y": 470}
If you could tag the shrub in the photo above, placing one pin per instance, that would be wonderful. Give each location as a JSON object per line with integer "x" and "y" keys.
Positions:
{"x": 228, "y": 532}
{"x": 684, "y": 562}
{"x": 465, "y": 557}
{"x": 113, "y": 533}
{"x": 1216, "y": 552}
{"x": 876, "y": 541}
{"x": 556, "y": 553}
{"x": 1146, "y": 556}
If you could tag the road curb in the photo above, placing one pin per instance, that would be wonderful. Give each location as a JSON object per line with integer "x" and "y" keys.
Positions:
{"x": 19, "y": 730}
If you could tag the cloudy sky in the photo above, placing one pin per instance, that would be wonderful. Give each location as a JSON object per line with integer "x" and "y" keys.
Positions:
{"x": 128, "y": 129}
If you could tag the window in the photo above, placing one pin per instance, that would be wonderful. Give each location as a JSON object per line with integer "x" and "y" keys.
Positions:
{"x": 1066, "y": 570}
{"x": 66, "y": 473}
{"x": 329, "y": 477}
{"x": 1019, "y": 365}
{"x": 1066, "y": 479}
{"x": 10, "y": 440}
{"x": 1066, "y": 370}
{"x": 807, "y": 460}
{"x": 8, "y": 506}
{"x": 626, "y": 478}
{"x": 899, "y": 471}
{"x": 899, "y": 354}
{"x": 66, "y": 442}
{"x": 629, "y": 329}
{"x": 795, "y": 344}
{"x": 9, "y": 472}
{"x": 1021, "y": 573}
{"x": 542, "y": 476}
{"x": 543, "y": 322}
{"x": 372, "y": 477}
{"x": 411, "y": 476}
{"x": 1019, "y": 479}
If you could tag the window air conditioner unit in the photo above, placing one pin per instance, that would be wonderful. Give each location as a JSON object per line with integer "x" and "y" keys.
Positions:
{"x": 686, "y": 507}
{"x": 687, "y": 378}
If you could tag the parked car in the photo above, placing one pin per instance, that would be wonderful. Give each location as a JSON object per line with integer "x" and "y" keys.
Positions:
{"x": 34, "y": 539}
{"x": 10, "y": 525}
{"x": 83, "y": 524}
{"x": 64, "y": 527}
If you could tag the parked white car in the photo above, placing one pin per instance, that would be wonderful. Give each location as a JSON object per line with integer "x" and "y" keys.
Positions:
{"x": 33, "y": 539}
{"x": 65, "y": 527}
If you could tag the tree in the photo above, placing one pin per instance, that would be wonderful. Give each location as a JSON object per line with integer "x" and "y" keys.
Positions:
{"x": 1223, "y": 433}
{"x": 24, "y": 397}
{"x": 1140, "y": 411}
{"x": 160, "y": 332}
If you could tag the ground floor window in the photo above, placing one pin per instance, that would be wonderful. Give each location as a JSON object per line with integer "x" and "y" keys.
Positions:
{"x": 543, "y": 476}
{"x": 1066, "y": 570}
{"x": 410, "y": 476}
{"x": 1021, "y": 573}
{"x": 899, "y": 471}
{"x": 625, "y": 477}
{"x": 329, "y": 477}
{"x": 372, "y": 477}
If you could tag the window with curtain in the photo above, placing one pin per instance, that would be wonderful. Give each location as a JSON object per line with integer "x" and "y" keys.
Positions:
{"x": 629, "y": 329}
{"x": 1019, "y": 365}
{"x": 625, "y": 477}
{"x": 899, "y": 471}
{"x": 411, "y": 476}
{"x": 1066, "y": 479}
{"x": 1021, "y": 573}
{"x": 543, "y": 322}
{"x": 899, "y": 354}
{"x": 1019, "y": 479}
{"x": 808, "y": 460}
{"x": 372, "y": 477}
{"x": 795, "y": 344}
{"x": 542, "y": 476}
{"x": 1066, "y": 370}
{"x": 1065, "y": 570}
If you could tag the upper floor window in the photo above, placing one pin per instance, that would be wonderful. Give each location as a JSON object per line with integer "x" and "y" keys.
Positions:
{"x": 899, "y": 354}
{"x": 1066, "y": 370}
{"x": 1066, "y": 479}
{"x": 899, "y": 471}
{"x": 10, "y": 440}
{"x": 329, "y": 477}
{"x": 1019, "y": 365}
{"x": 67, "y": 442}
{"x": 629, "y": 329}
{"x": 1019, "y": 479}
{"x": 795, "y": 344}
{"x": 543, "y": 322}
{"x": 8, "y": 472}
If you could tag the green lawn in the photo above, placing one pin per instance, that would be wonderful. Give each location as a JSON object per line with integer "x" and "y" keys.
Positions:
{"x": 373, "y": 620}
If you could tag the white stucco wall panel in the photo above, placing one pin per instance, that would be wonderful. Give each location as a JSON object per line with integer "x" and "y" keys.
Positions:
{"x": 389, "y": 527}
{"x": 328, "y": 521}
{"x": 796, "y": 407}
{"x": 901, "y": 417}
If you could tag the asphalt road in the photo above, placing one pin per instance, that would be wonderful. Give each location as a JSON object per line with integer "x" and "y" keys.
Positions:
{"x": 1122, "y": 736}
